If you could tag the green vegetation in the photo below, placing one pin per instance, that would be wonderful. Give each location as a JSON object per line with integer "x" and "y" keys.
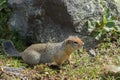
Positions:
{"x": 4, "y": 14}
{"x": 5, "y": 33}
{"x": 106, "y": 28}
{"x": 83, "y": 67}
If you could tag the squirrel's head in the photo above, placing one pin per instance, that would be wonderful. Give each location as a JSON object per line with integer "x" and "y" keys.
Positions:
{"x": 74, "y": 42}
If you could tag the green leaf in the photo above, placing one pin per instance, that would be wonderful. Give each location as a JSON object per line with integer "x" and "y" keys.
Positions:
{"x": 109, "y": 29}
{"x": 2, "y": 4}
{"x": 99, "y": 23}
{"x": 118, "y": 28}
{"x": 114, "y": 17}
{"x": 98, "y": 35}
{"x": 91, "y": 26}
{"x": 107, "y": 14}
{"x": 104, "y": 20}
{"x": 110, "y": 24}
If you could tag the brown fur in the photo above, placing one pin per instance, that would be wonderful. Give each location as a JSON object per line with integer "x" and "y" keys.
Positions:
{"x": 51, "y": 52}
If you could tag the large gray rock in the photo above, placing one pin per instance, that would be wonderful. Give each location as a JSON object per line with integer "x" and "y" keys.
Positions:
{"x": 73, "y": 13}
{"x": 114, "y": 6}
{"x": 54, "y": 20}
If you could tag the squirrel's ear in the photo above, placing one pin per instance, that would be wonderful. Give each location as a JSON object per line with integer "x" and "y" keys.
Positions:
{"x": 69, "y": 41}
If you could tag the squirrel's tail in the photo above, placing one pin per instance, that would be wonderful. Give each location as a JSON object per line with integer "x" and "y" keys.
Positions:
{"x": 9, "y": 49}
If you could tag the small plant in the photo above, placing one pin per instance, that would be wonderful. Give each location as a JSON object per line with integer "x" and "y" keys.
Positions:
{"x": 5, "y": 33}
{"x": 106, "y": 28}
{"x": 4, "y": 14}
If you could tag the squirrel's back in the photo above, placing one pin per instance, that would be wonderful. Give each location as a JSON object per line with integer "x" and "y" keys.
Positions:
{"x": 44, "y": 53}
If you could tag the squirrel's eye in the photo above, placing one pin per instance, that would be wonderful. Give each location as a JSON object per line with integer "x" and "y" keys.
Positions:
{"x": 75, "y": 42}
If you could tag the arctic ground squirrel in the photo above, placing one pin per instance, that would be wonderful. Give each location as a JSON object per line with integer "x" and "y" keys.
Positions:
{"x": 45, "y": 52}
